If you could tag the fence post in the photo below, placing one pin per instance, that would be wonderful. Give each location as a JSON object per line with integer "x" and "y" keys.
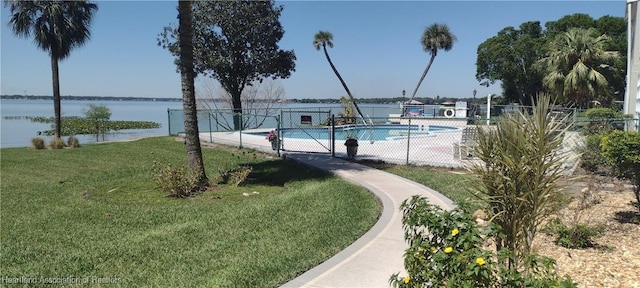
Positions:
{"x": 333, "y": 135}
{"x": 215, "y": 117}
{"x": 210, "y": 128}
{"x": 280, "y": 124}
{"x": 408, "y": 140}
{"x": 169, "y": 120}
{"x": 278, "y": 135}
{"x": 240, "y": 131}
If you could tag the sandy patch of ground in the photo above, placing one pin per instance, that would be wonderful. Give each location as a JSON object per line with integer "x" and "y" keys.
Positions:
{"x": 615, "y": 261}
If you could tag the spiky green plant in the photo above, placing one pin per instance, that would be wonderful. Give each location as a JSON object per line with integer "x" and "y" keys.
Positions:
{"x": 519, "y": 168}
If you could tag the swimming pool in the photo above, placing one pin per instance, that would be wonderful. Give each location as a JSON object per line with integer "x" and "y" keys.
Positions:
{"x": 375, "y": 133}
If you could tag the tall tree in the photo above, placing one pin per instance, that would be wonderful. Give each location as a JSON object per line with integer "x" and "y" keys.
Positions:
{"x": 187, "y": 75}
{"x": 324, "y": 39}
{"x": 577, "y": 20}
{"x": 236, "y": 43}
{"x": 509, "y": 57}
{"x": 576, "y": 66}
{"x": 616, "y": 29}
{"x": 434, "y": 38}
{"x": 57, "y": 27}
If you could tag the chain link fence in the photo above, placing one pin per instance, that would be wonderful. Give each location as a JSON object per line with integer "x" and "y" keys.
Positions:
{"x": 433, "y": 141}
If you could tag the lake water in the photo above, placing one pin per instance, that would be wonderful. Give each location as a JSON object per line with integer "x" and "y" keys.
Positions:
{"x": 19, "y": 132}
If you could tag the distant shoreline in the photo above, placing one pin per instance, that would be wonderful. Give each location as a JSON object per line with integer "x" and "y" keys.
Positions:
{"x": 393, "y": 100}
{"x": 91, "y": 98}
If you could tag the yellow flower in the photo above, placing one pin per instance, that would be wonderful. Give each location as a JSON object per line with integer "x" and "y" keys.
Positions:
{"x": 448, "y": 250}
{"x": 480, "y": 261}
{"x": 455, "y": 232}
{"x": 434, "y": 249}
{"x": 406, "y": 279}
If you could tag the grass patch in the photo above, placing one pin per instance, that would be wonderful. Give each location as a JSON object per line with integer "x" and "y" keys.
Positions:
{"x": 95, "y": 212}
{"x": 454, "y": 184}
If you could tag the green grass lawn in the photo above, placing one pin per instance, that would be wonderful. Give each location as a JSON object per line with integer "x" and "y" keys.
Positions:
{"x": 94, "y": 212}
{"x": 455, "y": 184}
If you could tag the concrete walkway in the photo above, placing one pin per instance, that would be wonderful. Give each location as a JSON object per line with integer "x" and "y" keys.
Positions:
{"x": 374, "y": 257}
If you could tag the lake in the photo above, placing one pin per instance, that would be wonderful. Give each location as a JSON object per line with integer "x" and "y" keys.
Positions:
{"x": 19, "y": 132}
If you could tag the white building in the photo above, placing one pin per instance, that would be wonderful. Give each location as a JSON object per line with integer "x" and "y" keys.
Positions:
{"x": 632, "y": 94}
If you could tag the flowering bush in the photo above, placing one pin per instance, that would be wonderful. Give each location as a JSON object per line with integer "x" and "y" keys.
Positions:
{"x": 447, "y": 250}
{"x": 272, "y": 136}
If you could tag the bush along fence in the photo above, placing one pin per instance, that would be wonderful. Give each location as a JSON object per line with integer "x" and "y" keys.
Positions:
{"x": 433, "y": 141}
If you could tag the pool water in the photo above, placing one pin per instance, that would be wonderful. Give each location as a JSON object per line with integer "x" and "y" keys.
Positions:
{"x": 375, "y": 133}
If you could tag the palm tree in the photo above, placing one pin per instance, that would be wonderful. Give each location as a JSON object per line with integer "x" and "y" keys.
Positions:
{"x": 576, "y": 66}
{"x": 187, "y": 75}
{"x": 324, "y": 39}
{"x": 435, "y": 37}
{"x": 58, "y": 27}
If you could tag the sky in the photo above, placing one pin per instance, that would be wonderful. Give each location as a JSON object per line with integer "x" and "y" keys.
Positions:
{"x": 376, "y": 49}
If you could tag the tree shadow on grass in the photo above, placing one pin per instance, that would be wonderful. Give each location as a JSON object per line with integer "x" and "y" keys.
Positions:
{"x": 377, "y": 164}
{"x": 279, "y": 172}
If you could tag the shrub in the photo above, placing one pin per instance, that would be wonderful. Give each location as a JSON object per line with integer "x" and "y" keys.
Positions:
{"x": 97, "y": 112}
{"x": 37, "y": 143}
{"x": 348, "y": 114}
{"x": 180, "y": 182}
{"x": 591, "y": 158}
{"x": 622, "y": 150}
{"x": 56, "y": 143}
{"x": 576, "y": 236}
{"x": 603, "y": 113}
{"x": 519, "y": 169}
{"x": 73, "y": 142}
{"x": 452, "y": 253}
{"x": 236, "y": 176}
{"x": 604, "y": 120}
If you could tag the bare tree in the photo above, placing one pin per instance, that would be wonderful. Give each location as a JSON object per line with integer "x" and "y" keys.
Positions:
{"x": 260, "y": 101}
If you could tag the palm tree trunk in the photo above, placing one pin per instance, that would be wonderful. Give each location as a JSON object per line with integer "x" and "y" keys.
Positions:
{"x": 433, "y": 56}
{"x": 326, "y": 54}
{"x": 187, "y": 75}
{"x": 56, "y": 95}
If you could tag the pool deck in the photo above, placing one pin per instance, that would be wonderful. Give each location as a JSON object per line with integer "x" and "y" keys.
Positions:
{"x": 433, "y": 150}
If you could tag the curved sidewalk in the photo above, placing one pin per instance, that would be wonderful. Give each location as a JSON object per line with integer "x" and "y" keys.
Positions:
{"x": 373, "y": 258}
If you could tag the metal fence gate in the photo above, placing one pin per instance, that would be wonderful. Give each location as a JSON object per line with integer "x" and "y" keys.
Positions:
{"x": 297, "y": 127}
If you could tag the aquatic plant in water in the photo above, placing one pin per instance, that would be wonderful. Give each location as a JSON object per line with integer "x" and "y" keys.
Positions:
{"x": 82, "y": 126}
